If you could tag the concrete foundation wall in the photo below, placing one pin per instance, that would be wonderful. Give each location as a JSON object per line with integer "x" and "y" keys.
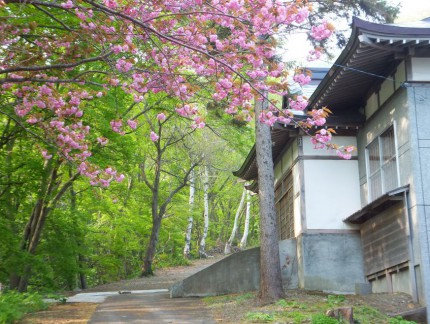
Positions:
{"x": 395, "y": 282}
{"x": 330, "y": 262}
{"x": 237, "y": 273}
{"x": 289, "y": 263}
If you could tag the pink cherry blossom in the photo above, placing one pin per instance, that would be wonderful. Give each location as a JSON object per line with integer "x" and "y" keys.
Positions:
{"x": 154, "y": 137}
{"x": 299, "y": 104}
{"x": 67, "y": 5}
{"x": 322, "y": 31}
{"x": 132, "y": 124}
{"x": 46, "y": 155}
{"x": 120, "y": 178}
{"x": 161, "y": 117}
{"x": 102, "y": 140}
{"x": 302, "y": 79}
{"x": 148, "y": 57}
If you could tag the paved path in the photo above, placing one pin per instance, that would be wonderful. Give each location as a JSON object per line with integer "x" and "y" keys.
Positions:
{"x": 148, "y": 300}
{"x": 151, "y": 308}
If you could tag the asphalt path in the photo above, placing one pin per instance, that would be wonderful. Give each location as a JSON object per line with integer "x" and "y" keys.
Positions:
{"x": 154, "y": 308}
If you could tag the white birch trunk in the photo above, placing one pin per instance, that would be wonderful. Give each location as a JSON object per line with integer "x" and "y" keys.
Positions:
{"x": 202, "y": 247}
{"x": 227, "y": 248}
{"x": 187, "y": 248}
{"x": 244, "y": 239}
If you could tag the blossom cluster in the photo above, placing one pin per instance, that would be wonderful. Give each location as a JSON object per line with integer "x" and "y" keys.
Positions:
{"x": 181, "y": 48}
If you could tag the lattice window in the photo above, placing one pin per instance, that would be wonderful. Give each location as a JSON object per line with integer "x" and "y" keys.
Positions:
{"x": 285, "y": 208}
{"x": 382, "y": 164}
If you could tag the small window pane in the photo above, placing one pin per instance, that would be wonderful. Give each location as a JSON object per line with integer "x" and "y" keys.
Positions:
{"x": 390, "y": 175}
{"x": 376, "y": 185}
{"x": 382, "y": 163}
{"x": 388, "y": 146}
{"x": 285, "y": 209}
{"x": 374, "y": 158}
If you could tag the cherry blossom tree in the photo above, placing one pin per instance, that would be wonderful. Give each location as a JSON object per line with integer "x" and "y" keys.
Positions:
{"x": 59, "y": 58}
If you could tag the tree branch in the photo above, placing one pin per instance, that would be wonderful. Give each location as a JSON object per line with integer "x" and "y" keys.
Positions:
{"x": 144, "y": 177}
{"x": 19, "y": 80}
{"x": 176, "y": 190}
{"x": 56, "y": 66}
{"x": 53, "y": 17}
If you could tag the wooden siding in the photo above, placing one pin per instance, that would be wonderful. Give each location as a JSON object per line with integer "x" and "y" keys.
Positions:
{"x": 384, "y": 240}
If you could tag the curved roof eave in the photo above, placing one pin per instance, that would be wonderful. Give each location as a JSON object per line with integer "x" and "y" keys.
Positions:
{"x": 370, "y": 54}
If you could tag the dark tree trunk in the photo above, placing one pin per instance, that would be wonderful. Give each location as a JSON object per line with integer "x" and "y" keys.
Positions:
{"x": 49, "y": 195}
{"x": 270, "y": 271}
{"x": 152, "y": 246}
{"x": 29, "y": 244}
{"x": 82, "y": 276}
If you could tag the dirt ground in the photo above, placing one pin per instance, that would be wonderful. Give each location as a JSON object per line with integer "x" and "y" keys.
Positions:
{"x": 233, "y": 309}
{"x": 230, "y": 313}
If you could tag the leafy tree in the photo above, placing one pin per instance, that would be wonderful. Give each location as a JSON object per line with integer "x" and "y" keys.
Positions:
{"x": 58, "y": 67}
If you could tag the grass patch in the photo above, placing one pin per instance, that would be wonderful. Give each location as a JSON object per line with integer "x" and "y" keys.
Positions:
{"x": 299, "y": 308}
{"x": 259, "y": 317}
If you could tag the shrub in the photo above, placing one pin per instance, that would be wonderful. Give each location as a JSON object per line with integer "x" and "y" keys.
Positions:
{"x": 14, "y": 305}
{"x": 400, "y": 320}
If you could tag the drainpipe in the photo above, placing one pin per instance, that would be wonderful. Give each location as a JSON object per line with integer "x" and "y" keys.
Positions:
{"x": 410, "y": 236}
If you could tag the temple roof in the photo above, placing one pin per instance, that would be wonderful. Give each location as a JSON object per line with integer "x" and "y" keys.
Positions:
{"x": 372, "y": 53}
{"x": 370, "y": 56}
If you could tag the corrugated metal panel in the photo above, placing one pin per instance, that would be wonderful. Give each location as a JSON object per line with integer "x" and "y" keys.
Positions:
{"x": 384, "y": 240}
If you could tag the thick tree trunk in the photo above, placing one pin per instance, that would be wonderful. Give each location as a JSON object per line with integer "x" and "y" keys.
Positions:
{"x": 227, "y": 248}
{"x": 151, "y": 249}
{"x": 202, "y": 247}
{"x": 270, "y": 270}
{"x": 244, "y": 239}
{"x": 187, "y": 248}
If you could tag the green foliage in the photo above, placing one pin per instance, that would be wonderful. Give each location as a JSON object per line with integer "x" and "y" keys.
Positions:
{"x": 14, "y": 305}
{"x": 334, "y": 300}
{"x": 323, "y": 319}
{"x": 102, "y": 234}
{"x": 259, "y": 317}
{"x": 170, "y": 260}
{"x": 247, "y": 296}
{"x": 400, "y": 320}
{"x": 290, "y": 304}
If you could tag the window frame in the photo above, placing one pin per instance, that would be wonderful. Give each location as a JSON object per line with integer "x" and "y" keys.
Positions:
{"x": 284, "y": 199}
{"x": 382, "y": 163}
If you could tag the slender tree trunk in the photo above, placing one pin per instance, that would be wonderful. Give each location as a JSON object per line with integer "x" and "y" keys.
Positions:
{"x": 151, "y": 249}
{"x": 82, "y": 280}
{"x": 34, "y": 226}
{"x": 82, "y": 276}
{"x": 187, "y": 248}
{"x": 202, "y": 247}
{"x": 270, "y": 270}
{"x": 244, "y": 239}
{"x": 49, "y": 195}
{"x": 227, "y": 248}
